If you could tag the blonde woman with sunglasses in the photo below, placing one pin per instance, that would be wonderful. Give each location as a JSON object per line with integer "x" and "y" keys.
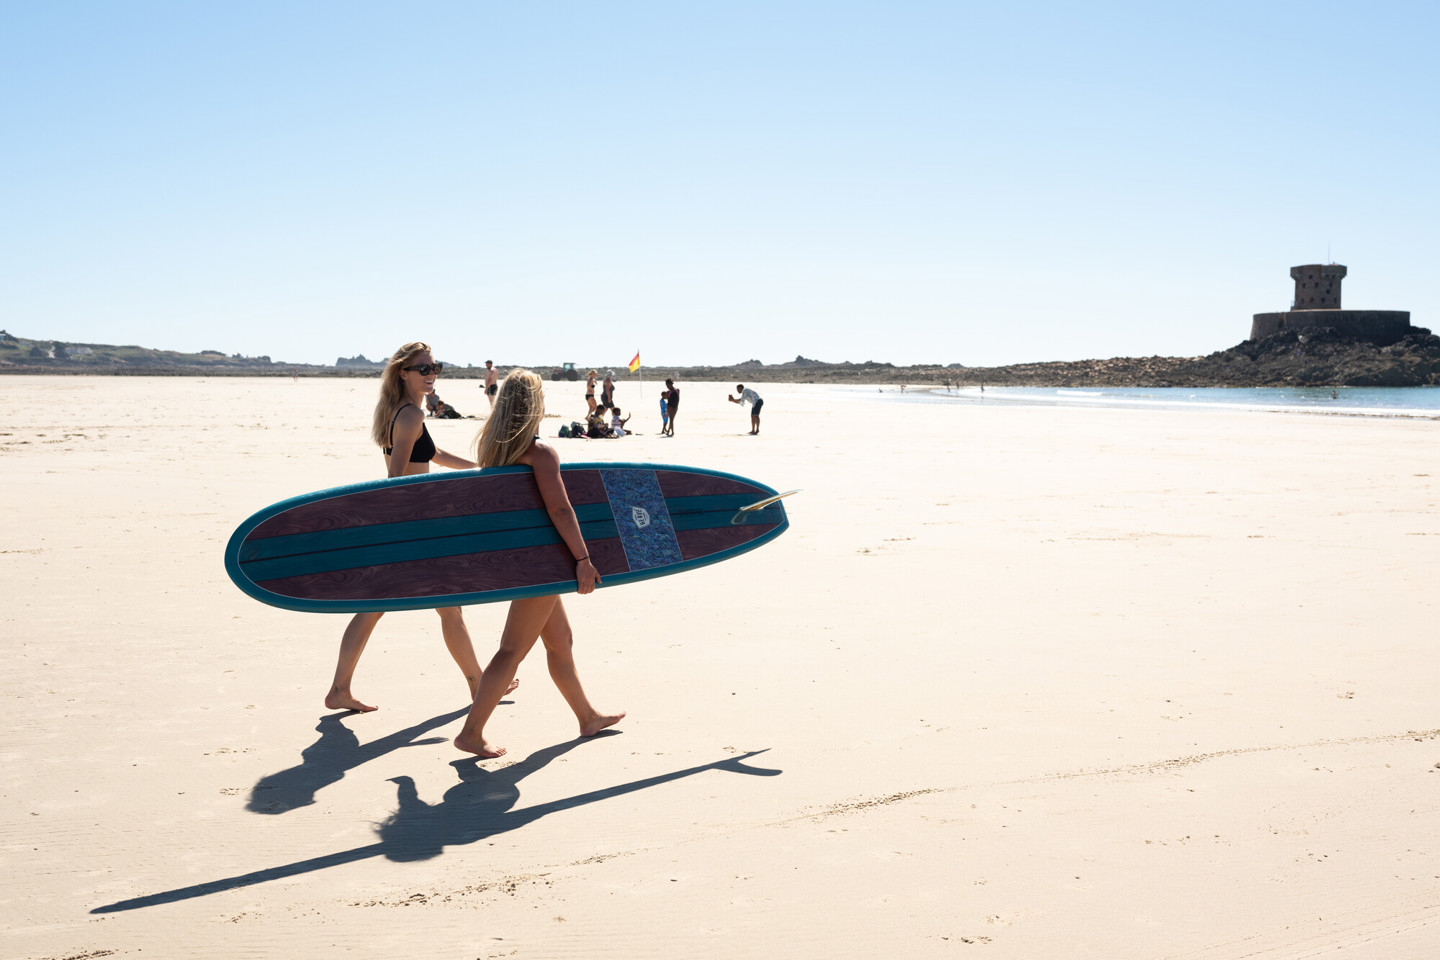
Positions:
{"x": 399, "y": 430}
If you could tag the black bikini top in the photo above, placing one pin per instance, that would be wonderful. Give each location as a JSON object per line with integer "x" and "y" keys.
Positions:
{"x": 424, "y": 449}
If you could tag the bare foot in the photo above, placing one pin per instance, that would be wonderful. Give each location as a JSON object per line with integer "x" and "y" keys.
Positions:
{"x": 342, "y": 700}
{"x": 479, "y": 747}
{"x": 600, "y": 722}
{"x": 475, "y": 687}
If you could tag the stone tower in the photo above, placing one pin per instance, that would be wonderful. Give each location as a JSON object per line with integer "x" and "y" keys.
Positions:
{"x": 1317, "y": 286}
{"x": 1317, "y": 304}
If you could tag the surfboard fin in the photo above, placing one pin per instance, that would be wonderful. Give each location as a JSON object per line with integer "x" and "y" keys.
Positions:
{"x": 762, "y": 504}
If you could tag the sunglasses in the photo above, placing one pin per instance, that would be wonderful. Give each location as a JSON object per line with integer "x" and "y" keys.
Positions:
{"x": 425, "y": 369}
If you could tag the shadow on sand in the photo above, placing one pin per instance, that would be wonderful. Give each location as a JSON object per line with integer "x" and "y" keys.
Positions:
{"x": 326, "y": 761}
{"x": 477, "y": 807}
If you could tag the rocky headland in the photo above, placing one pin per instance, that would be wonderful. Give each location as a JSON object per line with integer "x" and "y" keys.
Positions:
{"x": 1320, "y": 357}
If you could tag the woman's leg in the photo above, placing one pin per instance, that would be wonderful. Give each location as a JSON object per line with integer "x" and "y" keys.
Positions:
{"x": 352, "y": 644}
{"x": 522, "y": 628}
{"x": 457, "y": 641}
{"x": 559, "y": 655}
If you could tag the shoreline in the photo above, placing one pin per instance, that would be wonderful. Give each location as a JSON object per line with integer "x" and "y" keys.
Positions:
{"x": 1378, "y": 402}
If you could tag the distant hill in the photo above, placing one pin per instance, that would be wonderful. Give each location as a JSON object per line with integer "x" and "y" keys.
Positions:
{"x": 23, "y": 355}
{"x": 1317, "y": 357}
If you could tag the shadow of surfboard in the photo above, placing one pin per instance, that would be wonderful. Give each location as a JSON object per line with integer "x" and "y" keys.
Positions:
{"x": 479, "y": 806}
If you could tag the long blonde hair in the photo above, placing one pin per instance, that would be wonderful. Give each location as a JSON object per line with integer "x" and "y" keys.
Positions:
{"x": 392, "y": 391}
{"x": 515, "y": 421}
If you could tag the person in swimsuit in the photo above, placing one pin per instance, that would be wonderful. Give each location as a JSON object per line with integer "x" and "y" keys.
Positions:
{"x": 590, "y": 391}
{"x": 672, "y": 404}
{"x": 399, "y": 430}
{"x": 508, "y": 438}
{"x": 607, "y": 392}
{"x": 491, "y": 376}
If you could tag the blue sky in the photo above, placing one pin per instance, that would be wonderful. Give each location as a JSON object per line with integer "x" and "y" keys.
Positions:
{"x": 709, "y": 182}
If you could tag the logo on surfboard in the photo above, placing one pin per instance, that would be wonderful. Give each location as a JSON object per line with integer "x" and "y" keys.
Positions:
{"x": 641, "y": 516}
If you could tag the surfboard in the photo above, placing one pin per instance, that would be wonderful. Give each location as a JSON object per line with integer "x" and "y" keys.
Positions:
{"x": 481, "y": 536}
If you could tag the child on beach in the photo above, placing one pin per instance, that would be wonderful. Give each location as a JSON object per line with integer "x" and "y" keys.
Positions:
{"x": 617, "y": 425}
{"x": 509, "y": 437}
{"x": 398, "y": 429}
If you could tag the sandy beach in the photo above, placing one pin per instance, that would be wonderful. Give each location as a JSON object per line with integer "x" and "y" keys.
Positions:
{"x": 1019, "y": 682}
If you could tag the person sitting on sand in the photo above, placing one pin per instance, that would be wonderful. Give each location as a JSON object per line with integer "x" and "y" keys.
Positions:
{"x": 617, "y": 425}
{"x": 398, "y": 429}
{"x": 511, "y": 437}
{"x": 597, "y": 428}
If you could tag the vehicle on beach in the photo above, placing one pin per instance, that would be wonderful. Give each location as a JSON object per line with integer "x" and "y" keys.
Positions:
{"x": 566, "y": 371}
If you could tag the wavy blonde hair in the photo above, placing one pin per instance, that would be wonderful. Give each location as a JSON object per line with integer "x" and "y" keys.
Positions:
{"x": 392, "y": 392}
{"x": 515, "y": 421}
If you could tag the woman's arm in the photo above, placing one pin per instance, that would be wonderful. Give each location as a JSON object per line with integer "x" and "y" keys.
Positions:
{"x": 543, "y": 459}
{"x": 453, "y": 462}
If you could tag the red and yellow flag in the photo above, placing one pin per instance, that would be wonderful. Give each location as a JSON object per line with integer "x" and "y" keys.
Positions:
{"x": 635, "y": 364}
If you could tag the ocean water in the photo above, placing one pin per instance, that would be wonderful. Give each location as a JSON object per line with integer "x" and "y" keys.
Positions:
{"x": 1412, "y": 402}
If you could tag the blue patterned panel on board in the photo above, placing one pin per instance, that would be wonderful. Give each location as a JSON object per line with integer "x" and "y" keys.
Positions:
{"x": 640, "y": 513}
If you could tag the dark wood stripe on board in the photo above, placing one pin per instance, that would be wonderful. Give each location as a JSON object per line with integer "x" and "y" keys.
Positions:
{"x": 446, "y": 576}
{"x": 702, "y": 543}
{"x": 673, "y": 483}
{"x": 448, "y": 497}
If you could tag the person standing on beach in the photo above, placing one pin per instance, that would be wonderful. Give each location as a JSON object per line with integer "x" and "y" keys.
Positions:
{"x": 511, "y": 437}
{"x": 607, "y": 391}
{"x": 672, "y": 405}
{"x": 664, "y": 412}
{"x": 752, "y": 398}
{"x": 490, "y": 382}
{"x": 398, "y": 429}
{"x": 590, "y": 392}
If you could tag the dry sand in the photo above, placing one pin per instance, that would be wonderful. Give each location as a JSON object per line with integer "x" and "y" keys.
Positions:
{"x": 1028, "y": 683}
